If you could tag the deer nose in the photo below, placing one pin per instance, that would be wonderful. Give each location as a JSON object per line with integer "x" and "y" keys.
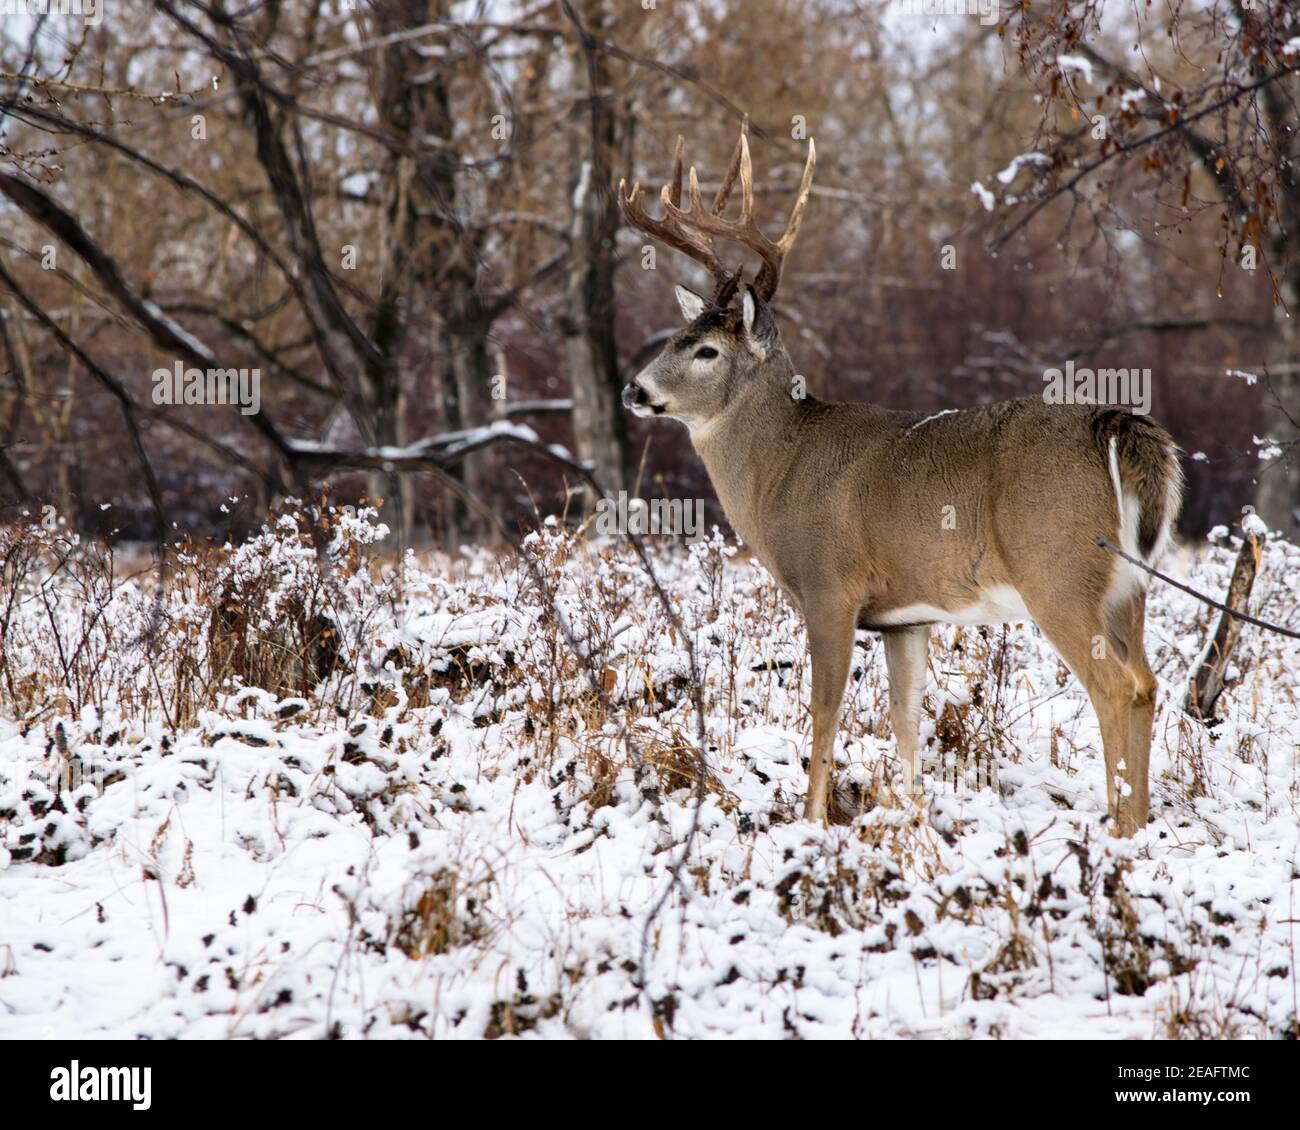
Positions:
{"x": 634, "y": 395}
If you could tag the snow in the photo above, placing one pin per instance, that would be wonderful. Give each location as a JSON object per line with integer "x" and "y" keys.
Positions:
{"x": 356, "y": 184}
{"x": 450, "y": 837}
{"x": 497, "y": 428}
{"x": 1076, "y": 63}
{"x": 448, "y": 443}
{"x": 1254, "y": 525}
{"x": 581, "y": 188}
{"x": 1007, "y": 175}
{"x": 985, "y": 196}
{"x": 934, "y": 416}
{"x": 195, "y": 347}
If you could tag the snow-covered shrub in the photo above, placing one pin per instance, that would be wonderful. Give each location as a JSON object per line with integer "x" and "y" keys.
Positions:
{"x": 489, "y": 812}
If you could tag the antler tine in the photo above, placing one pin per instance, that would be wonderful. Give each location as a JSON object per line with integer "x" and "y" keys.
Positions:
{"x": 729, "y": 181}
{"x": 678, "y": 153}
{"x": 773, "y": 254}
{"x": 801, "y": 201}
{"x": 697, "y": 205}
{"x": 746, "y": 182}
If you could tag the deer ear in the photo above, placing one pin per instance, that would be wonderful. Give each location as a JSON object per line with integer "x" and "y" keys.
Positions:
{"x": 691, "y": 303}
{"x": 756, "y": 315}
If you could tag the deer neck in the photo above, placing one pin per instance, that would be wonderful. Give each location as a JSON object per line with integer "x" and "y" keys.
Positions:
{"x": 747, "y": 447}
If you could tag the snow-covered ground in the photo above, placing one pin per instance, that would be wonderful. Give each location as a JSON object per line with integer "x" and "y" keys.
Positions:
{"x": 451, "y": 836}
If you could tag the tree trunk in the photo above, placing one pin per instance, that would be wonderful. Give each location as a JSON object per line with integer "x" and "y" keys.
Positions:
{"x": 590, "y": 341}
{"x": 447, "y": 254}
{"x": 471, "y": 371}
{"x": 1277, "y": 496}
{"x": 395, "y": 489}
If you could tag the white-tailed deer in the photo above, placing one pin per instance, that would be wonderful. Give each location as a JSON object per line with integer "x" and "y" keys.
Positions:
{"x": 894, "y": 521}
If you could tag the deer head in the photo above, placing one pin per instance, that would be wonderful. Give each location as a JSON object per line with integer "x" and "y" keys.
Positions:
{"x": 702, "y": 368}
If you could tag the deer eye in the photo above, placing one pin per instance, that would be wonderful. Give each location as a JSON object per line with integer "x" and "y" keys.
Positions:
{"x": 705, "y": 353}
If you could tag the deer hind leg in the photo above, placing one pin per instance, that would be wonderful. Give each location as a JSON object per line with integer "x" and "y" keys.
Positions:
{"x": 830, "y": 640}
{"x": 1128, "y": 621}
{"x": 1105, "y": 653}
{"x": 906, "y": 652}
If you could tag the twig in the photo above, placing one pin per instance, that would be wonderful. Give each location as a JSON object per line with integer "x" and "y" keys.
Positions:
{"x": 1126, "y": 150}
{"x": 1199, "y": 595}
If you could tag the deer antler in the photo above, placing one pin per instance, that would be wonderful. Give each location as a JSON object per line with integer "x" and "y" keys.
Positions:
{"x": 691, "y": 229}
{"x": 696, "y": 244}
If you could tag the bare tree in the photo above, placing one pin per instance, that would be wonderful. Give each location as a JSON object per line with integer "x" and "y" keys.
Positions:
{"x": 590, "y": 338}
{"x": 1206, "y": 115}
{"x": 340, "y": 283}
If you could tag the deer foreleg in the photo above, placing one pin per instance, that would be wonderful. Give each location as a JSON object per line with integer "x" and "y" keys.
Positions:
{"x": 830, "y": 640}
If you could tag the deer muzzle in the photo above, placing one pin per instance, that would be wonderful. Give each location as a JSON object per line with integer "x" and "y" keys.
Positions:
{"x": 637, "y": 400}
